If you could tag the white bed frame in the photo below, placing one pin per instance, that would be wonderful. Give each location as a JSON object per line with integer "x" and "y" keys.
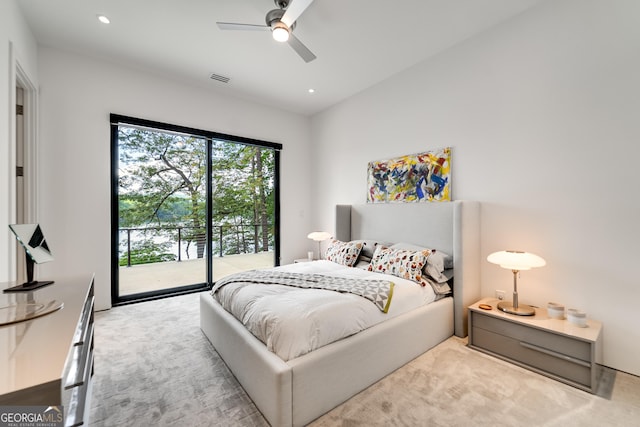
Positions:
{"x": 300, "y": 390}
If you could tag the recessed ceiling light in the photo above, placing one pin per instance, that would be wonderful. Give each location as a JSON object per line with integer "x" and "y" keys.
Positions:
{"x": 103, "y": 19}
{"x": 311, "y": 90}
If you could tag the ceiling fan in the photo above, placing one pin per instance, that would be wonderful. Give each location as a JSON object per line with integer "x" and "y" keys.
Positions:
{"x": 281, "y": 23}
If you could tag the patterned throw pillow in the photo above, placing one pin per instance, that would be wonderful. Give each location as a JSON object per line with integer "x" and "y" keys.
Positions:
{"x": 437, "y": 261}
{"x": 399, "y": 262}
{"x": 345, "y": 253}
{"x": 407, "y": 264}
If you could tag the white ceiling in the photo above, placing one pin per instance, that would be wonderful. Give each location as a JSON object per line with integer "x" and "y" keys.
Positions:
{"x": 358, "y": 43}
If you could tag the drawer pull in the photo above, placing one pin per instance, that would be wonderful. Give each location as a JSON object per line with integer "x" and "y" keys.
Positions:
{"x": 80, "y": 335}
{"x": 555, "y": 354}
{"x": 81, "y": 362}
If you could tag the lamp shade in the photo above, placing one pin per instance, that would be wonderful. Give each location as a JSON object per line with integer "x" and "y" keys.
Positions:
{"x": 319, "y": 236}
{"x": 280, "y": 32}
{"x": 516, "y": 260}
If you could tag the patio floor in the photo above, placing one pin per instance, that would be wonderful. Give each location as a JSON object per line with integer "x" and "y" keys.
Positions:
{"x": 163, "y": 275}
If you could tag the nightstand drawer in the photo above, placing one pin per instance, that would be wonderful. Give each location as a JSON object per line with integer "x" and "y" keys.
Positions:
{"x": 538, "y": 338}
{"x": 532, "y": 355}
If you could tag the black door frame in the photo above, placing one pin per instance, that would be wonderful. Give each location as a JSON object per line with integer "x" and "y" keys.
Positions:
{"x": 209, "y": 136}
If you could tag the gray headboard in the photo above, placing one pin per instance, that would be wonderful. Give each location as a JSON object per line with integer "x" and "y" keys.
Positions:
{"x": 452, "y": 227}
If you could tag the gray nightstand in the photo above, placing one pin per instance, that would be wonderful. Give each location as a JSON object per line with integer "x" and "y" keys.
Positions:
{"x": 552, "y": 347}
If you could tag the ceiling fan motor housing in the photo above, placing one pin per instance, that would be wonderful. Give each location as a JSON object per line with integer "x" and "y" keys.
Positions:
{"x": 274, "y": 16}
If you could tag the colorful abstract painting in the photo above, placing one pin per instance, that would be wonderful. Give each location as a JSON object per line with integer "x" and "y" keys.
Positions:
{"x": 423, "y": 177}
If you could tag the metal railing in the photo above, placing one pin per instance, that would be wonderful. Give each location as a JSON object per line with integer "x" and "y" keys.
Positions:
{"x": 228, "y": 239}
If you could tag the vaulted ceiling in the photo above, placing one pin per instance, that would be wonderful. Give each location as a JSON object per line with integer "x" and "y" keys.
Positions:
{"x": 358, "y": 43}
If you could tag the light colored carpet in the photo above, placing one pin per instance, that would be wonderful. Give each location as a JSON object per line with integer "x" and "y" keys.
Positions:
{"x": 153, "y": 366}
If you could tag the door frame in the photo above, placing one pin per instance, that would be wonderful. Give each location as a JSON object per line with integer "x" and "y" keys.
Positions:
{"x": 20, "y": 78}
{"x": 115, "y": 121}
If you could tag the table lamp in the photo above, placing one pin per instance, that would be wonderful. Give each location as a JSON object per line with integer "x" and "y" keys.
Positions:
{"x": 516, "y": 261}
{"x": 319, "y": 236}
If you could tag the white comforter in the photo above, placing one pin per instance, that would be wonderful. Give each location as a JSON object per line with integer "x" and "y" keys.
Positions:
{"x": 293, "y": 321}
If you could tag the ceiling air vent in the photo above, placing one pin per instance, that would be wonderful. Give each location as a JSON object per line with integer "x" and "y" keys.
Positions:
{"x": 219, "y": 78}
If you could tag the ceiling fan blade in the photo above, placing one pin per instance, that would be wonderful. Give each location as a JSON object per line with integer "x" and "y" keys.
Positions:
{"x": 294, "y": 10}
{"x": 301, "y": 49}
{"x": 242, "y": 27}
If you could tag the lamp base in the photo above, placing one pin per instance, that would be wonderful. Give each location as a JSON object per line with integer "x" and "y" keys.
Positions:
{"x": 28, "y": 286}
{"x": 522, "y": 310}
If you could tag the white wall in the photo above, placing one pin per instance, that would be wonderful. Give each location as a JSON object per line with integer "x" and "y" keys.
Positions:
{"x": 17, "y": 46}
{"x": 76, "y": 97}
{"x": 542, "y": 114}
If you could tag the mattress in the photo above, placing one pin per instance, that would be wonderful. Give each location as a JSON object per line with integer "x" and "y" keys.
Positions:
{"x": 292, "y": 321}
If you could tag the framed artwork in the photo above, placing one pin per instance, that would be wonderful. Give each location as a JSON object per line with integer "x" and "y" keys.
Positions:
{"x": 422, "y": 177}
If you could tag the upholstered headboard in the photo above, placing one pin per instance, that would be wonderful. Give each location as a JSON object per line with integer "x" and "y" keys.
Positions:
{"x": 452, "y": 227}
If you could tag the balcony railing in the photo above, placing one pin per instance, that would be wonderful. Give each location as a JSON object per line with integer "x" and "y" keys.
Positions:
{"x": 177, "y": 241}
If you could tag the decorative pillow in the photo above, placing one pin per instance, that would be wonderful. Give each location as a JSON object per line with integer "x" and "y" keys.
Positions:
{"x": 448, "y": 259}
{"x": 398, "y": 262}
{"x": 436, "y": 261}
{"x": 345, "y": 253}
{"x": 408, "y": 265}
{"x": 368, "y": 248}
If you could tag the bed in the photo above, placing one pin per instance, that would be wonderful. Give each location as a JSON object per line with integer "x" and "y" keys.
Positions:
{"x": 299, "y": 390}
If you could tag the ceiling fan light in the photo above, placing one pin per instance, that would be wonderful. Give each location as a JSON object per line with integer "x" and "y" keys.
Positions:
{"x": 280, "y": 33}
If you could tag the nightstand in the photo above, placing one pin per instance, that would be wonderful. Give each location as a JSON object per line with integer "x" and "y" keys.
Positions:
{"x": 552, "y": 347}
{"x": 295, "y": 261}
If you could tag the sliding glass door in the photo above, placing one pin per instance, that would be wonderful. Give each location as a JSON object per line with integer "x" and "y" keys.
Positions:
{"x": 188, "y": 207}
{"x": 243, "y": 214}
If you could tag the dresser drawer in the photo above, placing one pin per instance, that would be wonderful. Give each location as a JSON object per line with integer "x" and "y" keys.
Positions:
{"x": 554, "y": 363}
{"x": 573, "y": 348}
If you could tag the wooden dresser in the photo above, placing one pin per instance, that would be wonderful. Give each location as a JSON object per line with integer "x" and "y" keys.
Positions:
{"x": 48, "y": 360}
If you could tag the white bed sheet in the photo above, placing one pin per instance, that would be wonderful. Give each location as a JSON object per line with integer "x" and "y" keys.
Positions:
{"x": 293, "y": 321}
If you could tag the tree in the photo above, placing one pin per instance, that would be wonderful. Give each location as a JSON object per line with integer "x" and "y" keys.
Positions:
{"x": 261, "y": 217}
{"x": 163, "y": 182}
{"x": 250, "y": 200}
{"x": 157, "y": 169}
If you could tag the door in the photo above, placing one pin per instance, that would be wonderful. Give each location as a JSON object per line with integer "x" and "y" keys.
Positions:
{"x": 188, "y": 207}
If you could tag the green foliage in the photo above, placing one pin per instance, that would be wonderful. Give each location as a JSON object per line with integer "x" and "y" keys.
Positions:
{"x": 133, "y": 212}
{"x": 162, "y": 184}
{"x": 158, "y": 169}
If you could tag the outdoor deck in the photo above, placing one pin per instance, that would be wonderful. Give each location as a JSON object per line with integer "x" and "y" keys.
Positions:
{"x": 163, "y": 275}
